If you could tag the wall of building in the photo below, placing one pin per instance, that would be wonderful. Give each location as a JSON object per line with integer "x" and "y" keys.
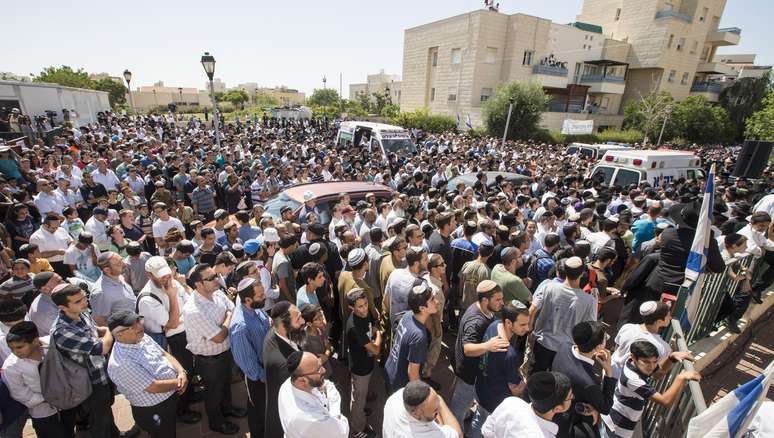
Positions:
{"x": 554, "y": 121}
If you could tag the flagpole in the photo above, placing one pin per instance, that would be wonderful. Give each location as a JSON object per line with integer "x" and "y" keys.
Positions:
{"x": 767, "y": 383}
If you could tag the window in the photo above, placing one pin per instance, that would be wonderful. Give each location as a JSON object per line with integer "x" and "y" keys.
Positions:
{"x": 617, "y": 14}
{"x": 672, "y": 75}
{"x": 432, "y": 94}
{"x": 626, "y": 177}
{"x": 680, "y": 44}
{"x": 584, "y": 47}
{"x": 669, "y": 43}
{"x": 704, "y": 13}
{"x": 491, "y": 55}
{"x": 452, "y": 96}
{"x": 527, "y": 59}
{"x": 591, "y": 37}
{"x": 603, "y": 174}
{"x": 694, "y": 47}
{"x": 586, "y": 37}
{"x": 485, "y": 93}
{"x": 434, "y": 59}
{"x": 684, "y": 80}
{"x": 456, "y": 56}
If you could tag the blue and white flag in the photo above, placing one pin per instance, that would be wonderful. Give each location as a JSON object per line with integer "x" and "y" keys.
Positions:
{"x": 469, "y": 123}
{"x": 730, "y": 416}
{"x": 697, "y": 258}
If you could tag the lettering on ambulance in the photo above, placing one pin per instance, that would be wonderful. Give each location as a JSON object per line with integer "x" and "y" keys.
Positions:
{"x": 662, "y": 179}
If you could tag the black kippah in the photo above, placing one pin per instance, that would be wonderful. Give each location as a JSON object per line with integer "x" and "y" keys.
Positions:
{"x": 294, "y": 360}
{"x": 279, "y": 309}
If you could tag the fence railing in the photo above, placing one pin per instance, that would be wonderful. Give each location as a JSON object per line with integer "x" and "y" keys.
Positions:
{"x": 541, "y": 69}
{"x": 710, "y": 87}
{"x": 668, "y": 422}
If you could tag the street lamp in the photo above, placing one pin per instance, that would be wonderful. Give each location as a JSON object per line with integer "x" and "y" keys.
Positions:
{"x": 128, "y": 79}
{"x": 208, "y": 62}
{"x": 180, "y": 90}
{"x": 324, "y": 81}
{"x": 511, "y": 100}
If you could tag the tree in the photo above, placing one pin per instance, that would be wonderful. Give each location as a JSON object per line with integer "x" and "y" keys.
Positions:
{"x": 742, "y": 99}
{"x": 648, "y": 114}
{"x": 116, "y": 91}
{"x": 236, "y": 97}
{"x": 390, "y": 111}
{"x": 699, "y": 121}
{"x": 324, "y": 97}
{"x": 264, "y": 99}
{"x": 364, "y": 101}
{"x": 66, "y": 76}
{"x": 760, "y": 126}
{"x": 529, "y": 101}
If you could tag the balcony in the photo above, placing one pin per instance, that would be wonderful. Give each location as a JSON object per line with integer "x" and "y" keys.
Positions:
{"x": 674, "y": 14}
{"x": 728, "y": 36}
{"x": 710, "y": 90}
{"x": 604, "y": 84}
{"x": 715, "y": 68}
{"x": 550, "y": 76}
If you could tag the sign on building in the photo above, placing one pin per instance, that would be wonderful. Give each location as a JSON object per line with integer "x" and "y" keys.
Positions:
{"x": 574, "y": 127}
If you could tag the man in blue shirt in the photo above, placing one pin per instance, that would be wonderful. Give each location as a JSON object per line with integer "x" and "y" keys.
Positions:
{"x": 645, "y": 229}
{"x": 247, "y": 331}
{"x": 498, "y": 371}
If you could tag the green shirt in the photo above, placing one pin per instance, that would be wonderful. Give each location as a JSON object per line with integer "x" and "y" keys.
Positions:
{"x": 512, "y": 286}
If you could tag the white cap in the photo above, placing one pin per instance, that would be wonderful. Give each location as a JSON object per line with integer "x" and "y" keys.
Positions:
{"x": 271, "y": 235}
{"x": 157, "y": 266}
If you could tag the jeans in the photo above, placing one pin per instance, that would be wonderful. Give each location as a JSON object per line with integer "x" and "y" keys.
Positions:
{"x": 216, "y": 373}
{"x": 159, "y": 421}
{"x": 478, "y": 422}
{"x": 357, "y": 417}
{"x": 463, "y": 397}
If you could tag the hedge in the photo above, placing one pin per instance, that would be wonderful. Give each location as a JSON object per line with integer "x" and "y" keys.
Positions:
{"x": 626, "y": 136}
{"x": 421, "y": 119}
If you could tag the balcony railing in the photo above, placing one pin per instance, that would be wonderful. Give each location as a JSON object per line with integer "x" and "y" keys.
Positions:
{"x": 550, "y": 70}
{"x": 706, "y": 87}
{"x": 735, "y": 30}
{"x": 674, "y": 14}
{"x": 601, "y": 78}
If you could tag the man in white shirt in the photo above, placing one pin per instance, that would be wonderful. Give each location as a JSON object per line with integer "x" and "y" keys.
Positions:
{"x": 418, "y": 411}
{"x": 97, "y": 226}
{"x": 551, "y": 394}
{"x": 48, "y": 201}
{"x": 53, "y": 241}
{"x": 761, "y": 246}
{"x": 310, "y": 406}
{"x": 164, "y": 223}
{"x": 103, "y": 175}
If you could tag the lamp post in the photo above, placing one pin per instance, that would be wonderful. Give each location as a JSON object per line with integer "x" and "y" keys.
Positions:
{"x": 325, "y": 80}
{"x": 508, "y": 120}
{"x": 128, "y": 79}
{"x": 180, "y": 90}
{"x": 208, "y": 62}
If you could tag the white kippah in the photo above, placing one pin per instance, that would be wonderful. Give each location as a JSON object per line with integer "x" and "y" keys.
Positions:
{"x": 648, "y": 307}
{"x": 574, "y": 262}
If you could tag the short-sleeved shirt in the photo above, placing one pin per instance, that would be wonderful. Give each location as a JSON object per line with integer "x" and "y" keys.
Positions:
{"x": 110, "y": 296}
{"x": 303, "y": 297}
{"x": 358, "y": 335}
{"x": 282, "y": 268}
{"x": 83, "y": 261}
{"x": 631, "y": 395}
{"x": 513, "y": 287}
{"x": 473, "y": 325}
{"x": 155, "y": 312}
{"x": 410, "y": 342}
{"x": 203, "y": 319}
{"x": 496, "y": 370}
{"x": 627, "y": 335}
{"x": 561, "y": 308}
{"x": 133, "y": 367}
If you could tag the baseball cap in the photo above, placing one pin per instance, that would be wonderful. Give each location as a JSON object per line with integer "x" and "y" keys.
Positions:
{"x": 122, "y": 318}
{"x": 157, "y": 266}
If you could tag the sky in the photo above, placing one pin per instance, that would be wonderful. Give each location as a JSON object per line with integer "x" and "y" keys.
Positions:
{"x": 272, "y": 43}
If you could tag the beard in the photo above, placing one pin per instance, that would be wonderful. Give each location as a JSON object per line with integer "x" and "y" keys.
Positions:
{"x": 257, "y": 304}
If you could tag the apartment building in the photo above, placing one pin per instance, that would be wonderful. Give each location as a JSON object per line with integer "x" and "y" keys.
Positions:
{"x": 147, "y": 97}
{"x": 673, "y": 43}
{"x": 742, "y": 66}
{"x": 378, "y": 83}
{"x": 284, "y": 96}
{"x": 453, "y": 66}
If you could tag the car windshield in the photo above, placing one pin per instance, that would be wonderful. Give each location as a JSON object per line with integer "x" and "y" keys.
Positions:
{"x": 603, "y": 174}
{"x": 399, "y": 146}
{"x": 275, "y": 204}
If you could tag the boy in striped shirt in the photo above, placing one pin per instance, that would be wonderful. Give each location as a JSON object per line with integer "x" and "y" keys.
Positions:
{"x": 634, "y": 390}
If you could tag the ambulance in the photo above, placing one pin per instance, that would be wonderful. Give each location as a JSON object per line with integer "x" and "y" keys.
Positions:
{"x": 387, "y": 139}
{"x": 658, "y": 168}
{"x": 593, "y": 151}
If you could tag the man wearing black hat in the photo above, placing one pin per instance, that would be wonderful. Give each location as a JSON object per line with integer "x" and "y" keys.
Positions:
{"x": 281, "y": 341}
{"x": 309, "y": 405}
{"x": 550, "y": 394}
{"x": 676, "y": 245}
{"x": 149, "y": 377}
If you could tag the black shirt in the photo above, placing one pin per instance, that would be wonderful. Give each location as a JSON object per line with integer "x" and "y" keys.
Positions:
{"x": 441, "y": 245}
{"x": 133, "y": 233}
{"x": 473, "y": 326}
{"x": 358, "y": 332}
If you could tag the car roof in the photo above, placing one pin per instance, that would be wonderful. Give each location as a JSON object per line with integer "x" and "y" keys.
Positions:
{"x": 333, "y": 188}
{"x": 469, "y": 178}
{"x": 371, "y": 125}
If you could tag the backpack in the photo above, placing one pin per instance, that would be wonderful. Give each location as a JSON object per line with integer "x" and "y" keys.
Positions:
{"x": 532, "y": 270}
{"x": 64, "y": 383}
{"x": 143, "y": 295}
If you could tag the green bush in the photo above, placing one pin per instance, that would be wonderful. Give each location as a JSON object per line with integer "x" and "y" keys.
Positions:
{"x": 625, "y": 136}
{"x": 421, "y": 119}
{"x": 529, "y": 101}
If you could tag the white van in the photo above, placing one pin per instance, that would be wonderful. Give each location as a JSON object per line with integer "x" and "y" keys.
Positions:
{"x": 658, "y": 168}
{"x": 388, "y": 139}
{"x": 593, "y": 151}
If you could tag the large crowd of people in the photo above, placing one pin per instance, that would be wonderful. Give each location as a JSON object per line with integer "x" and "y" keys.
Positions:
{"x": 139, "y": 257}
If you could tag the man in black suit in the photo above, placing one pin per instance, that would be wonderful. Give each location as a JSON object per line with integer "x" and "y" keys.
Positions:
{"x": 281, "y": 341}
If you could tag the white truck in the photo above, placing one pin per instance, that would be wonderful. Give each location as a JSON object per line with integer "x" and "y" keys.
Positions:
{"x": 658, "y": 168}
{"x": 593, "y": 151}
{"x": 388, "y": 139}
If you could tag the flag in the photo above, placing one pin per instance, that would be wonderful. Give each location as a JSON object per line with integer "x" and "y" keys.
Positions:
{"x": 730, "y": 416}
{"x": 469, "y": 123}
{"x": 697, "y": 258}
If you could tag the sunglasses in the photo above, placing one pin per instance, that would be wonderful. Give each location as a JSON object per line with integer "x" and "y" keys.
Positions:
{"x": 210, "y": 278}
